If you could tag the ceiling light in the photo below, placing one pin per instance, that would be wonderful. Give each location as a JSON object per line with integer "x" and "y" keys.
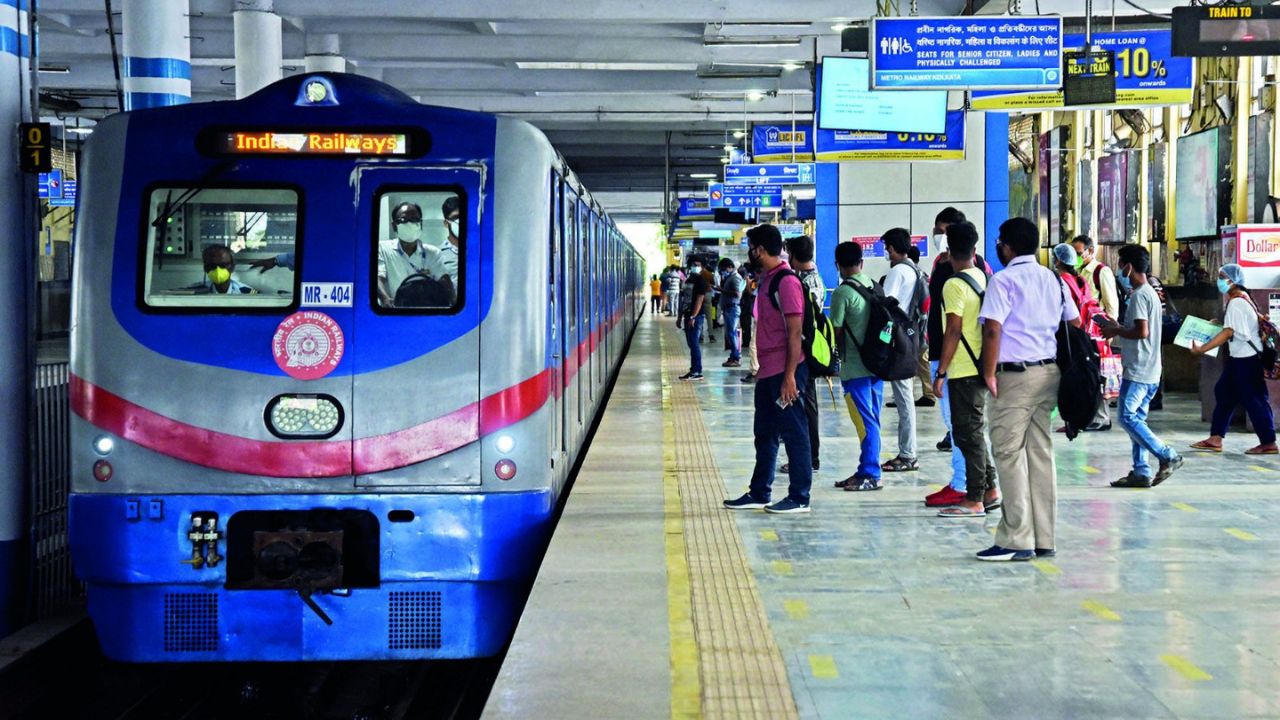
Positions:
{"x": 739, "y": 134}
{"x": 791, "y": 66}
{"x": 60, "y": 69}
{"x": 762, "y": 41}
{"x": 755, "y": 95}
{"x": 672, "y": 66}
{"x": 841, "y": 27}
{"x": 724, "y": 161}
{"x": 729, "y": 148}
{"x": 703, "y": 176}
{"x": 79, "y": 130}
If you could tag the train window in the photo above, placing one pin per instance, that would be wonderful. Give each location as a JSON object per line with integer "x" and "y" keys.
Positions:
{"x": 213, "y": 247}
{"x": 420, "y": 249}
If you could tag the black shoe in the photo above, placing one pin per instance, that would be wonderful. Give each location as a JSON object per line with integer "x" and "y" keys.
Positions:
{"x": 786, "y": 468}
{"x": 944, "y": 445}
{"x": 1167, "y": 469}
{"x": 746, "y": 502}
{"x": 691, "y": 376}
{"x": 925, "y": 402}
{"x": 748, "y": 378}
{"x": 864, "y": 484}
{"x": 1045, "y": 552}
{"x": 1132, "y": 481}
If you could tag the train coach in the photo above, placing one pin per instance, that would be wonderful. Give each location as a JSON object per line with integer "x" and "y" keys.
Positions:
{"x": 334, "y": 353}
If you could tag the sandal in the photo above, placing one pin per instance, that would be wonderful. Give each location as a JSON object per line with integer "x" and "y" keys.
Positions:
{"x": 993, "y": 505}
{"x": 960, "y": 511}
{"x": 851, "y": 480}
{"x": 900, "y": 464}
{"x": 1206, "y": 445}
{"x": 1269, "y": 449}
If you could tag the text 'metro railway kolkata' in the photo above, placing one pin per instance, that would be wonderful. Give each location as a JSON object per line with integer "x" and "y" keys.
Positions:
{"x": 314, "y": 143}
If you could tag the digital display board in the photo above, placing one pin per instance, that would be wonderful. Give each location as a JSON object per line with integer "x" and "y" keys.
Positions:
{"x": 959, "y": 53}
{"x": 1089, "y": 77}
{"x": 1229, "y": 31}
{"x": 846, "y": 102}
{"x": 320, "y": 142}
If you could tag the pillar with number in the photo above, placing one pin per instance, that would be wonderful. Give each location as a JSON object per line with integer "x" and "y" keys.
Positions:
{"x": 156, "y": 67}
{"x": 17, "y": 283}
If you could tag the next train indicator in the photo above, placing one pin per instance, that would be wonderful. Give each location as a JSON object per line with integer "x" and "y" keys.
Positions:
{"x": 314, "y": 142}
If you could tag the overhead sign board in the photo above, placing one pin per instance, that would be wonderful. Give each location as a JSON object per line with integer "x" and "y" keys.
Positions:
{"x": 963, "y": 53}
{"x": 771, "y": 143}
{"x": 853, "y": 146}
{"x": 1147, "y": 73}
{"x": 1228, "y": 31}
{"x": 771, "y": 174}
{"x": 723, "y": 195}
{"x": 695, "y": 208}
{"x": 1089, "y": 77}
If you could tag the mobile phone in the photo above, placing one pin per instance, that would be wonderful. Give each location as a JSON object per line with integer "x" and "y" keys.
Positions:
{"x": 1102, "y": 319}
{"x": 780, "y": 403}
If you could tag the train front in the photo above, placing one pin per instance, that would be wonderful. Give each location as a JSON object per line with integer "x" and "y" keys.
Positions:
{"x": 285, "y": 445}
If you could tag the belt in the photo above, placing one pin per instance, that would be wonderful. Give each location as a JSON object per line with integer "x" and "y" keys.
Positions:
{"x": 1022, "y": 366}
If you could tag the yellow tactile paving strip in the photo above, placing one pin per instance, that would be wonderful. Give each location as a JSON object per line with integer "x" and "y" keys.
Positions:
{"x": 739, "y": 668}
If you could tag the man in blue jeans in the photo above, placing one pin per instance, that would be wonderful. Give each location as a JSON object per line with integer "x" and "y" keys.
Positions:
{"x": 731, "y": 287}
{"x": 780, "y": 413}
{"x": 697, "y": 315}
{"x": 1139, "y": 334}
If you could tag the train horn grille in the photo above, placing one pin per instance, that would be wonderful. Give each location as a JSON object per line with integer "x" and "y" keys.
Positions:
{"x": 190, "y": 622}
{"x": 413, "y": 621}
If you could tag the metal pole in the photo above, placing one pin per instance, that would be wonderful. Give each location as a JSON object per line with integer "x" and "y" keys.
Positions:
{"x": 793, "y": 127}
{"x": 666, "y": 184}
{"x": 1088, "y": 24}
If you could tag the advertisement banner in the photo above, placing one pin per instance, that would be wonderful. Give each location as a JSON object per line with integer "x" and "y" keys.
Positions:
{"x": 1147, "y": 73}
{"x": 873, "y": 246}
{"x": 773, "y": 143}
{"x": 962, "y": 53}
{"x": 858, "y": 145}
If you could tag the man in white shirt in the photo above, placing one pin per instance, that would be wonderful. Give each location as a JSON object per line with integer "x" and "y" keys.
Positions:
{"x": 406, "y": 255}
{"x": 447, "y": 262}
{"x": 905, "y": 283}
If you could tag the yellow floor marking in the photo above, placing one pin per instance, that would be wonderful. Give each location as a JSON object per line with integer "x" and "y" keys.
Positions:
{"x": 769, "y": 535}
{"x": 1046, "y": 567}
{"x": 1100, "y": 610}
{"x": 935, "y": 488}
{"x": 1261, "y": 469}
{"x": 1241, "y": 534}
{"x": 686, "y": 683}
{"x": 823, "y": 667}
{"x": 796, "y": 609}
{"x": 1184, "y": 507}
{"x": 781, "y": 567}
{"x": 1185, "y": 667}
{"x": 992, "y": 529}
{"x": 1091, "y": 470}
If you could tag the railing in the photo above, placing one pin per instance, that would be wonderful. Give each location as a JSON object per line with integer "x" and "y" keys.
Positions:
{"x": 53, "y": 583}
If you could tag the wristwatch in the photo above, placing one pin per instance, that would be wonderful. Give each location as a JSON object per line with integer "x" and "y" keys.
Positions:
{"x": 941, "y": 374}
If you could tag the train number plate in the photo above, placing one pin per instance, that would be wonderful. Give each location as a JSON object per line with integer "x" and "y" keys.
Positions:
{"x": 326, "y": 294}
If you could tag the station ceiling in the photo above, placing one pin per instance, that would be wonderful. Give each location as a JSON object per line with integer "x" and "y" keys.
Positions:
{"x": 605, "y": 79}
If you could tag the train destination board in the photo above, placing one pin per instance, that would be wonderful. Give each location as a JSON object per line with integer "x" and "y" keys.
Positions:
{"x": 1090, "y": 77}
{"x": 319, "y": 142}
{"x": 962, "y": 53}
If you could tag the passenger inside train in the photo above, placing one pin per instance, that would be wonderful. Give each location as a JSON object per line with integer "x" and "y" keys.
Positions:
{"x": 415, "y": 271}
{"x": 219, "y": 263}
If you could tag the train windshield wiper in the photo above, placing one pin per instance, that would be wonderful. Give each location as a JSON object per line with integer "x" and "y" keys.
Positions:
{"x": 172, "y": 205}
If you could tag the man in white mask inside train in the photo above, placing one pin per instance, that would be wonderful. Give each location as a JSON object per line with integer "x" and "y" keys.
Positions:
{"x": 405, "y": 255}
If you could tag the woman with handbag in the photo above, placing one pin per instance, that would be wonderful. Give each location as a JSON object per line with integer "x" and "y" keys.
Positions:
{"x": 1081, "y": 292}
{"x": 1242, "y": 382}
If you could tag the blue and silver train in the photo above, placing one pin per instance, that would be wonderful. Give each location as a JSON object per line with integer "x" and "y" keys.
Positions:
{"x": 334, "y": 353}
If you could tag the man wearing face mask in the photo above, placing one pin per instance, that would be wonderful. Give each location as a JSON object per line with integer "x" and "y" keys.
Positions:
{"x": 406, "y": 255}
{"x": 695, "y": 319}
{"x": 1099, "y": 275}
{"x": 447, "y": 259}
{"x": 219, "y": 263}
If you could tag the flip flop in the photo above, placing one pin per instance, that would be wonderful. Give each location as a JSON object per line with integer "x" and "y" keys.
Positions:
{"x": 1256, "y": 451}
{"x": 993, "y": 505}
{"x": 960, "y": 511}
{"x": 1204, "y": 445}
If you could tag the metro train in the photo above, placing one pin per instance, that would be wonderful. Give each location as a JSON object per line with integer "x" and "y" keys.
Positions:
{"x": 280, "y": 451}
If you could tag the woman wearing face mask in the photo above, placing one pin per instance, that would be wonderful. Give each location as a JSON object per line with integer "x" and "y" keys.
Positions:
{"x": 1241, "y": 382}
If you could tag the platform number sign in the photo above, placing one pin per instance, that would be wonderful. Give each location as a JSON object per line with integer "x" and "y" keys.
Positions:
{"x": 36, "y": 147}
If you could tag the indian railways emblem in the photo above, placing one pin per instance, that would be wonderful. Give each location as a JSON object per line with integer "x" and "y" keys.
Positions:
{"x": 308, "y": 345}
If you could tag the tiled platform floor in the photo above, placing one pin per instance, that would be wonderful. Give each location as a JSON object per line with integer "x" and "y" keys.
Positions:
{"x": 1161, "y": 603}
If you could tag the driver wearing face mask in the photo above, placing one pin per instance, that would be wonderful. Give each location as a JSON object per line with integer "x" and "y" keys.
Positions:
{"x": 447, "y": 261}
{"x": 219, "y": 263}
{"x": 406, "y": 255}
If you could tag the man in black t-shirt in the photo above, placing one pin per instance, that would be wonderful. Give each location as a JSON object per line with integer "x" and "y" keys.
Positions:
{"x": 696, "y": 317}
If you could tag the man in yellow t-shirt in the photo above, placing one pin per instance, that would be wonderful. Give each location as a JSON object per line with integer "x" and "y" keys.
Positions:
{"x": 959, "y": 367}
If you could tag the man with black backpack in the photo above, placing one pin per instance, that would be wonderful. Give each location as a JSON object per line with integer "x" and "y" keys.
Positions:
{"x": 864, "y": 391}
{"x": 779, "y": 407}
{"x": 1024, "y": 306}
{"x": 906, "y": 284}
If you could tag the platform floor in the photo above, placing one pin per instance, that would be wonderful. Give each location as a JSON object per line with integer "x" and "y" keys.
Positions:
{"x": 654, "y": 601}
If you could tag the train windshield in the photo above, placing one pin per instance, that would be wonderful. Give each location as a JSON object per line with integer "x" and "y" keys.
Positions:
{"x": 419, "y": 245}
{"x": 220, "y": 247}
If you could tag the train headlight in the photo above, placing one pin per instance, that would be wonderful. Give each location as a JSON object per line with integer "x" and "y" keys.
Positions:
{"x": 103, "y": 445}
{"x": 304, "y": 416}
{"x": 505, "y": 444}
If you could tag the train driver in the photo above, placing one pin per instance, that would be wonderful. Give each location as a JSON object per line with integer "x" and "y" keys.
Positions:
{"x": 219, "y": 263}
{"x": 405, "y": 255}
{"x": 447, "y": 261}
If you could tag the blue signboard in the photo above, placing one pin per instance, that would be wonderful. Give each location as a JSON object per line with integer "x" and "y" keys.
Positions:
{"x": 745, "y": 196}
{"x": 856, "y": 145}
{"x": 771, "y": 174}
{"x": 1147, "y": 73}
{"x": 695, "y": 208}
{"x": 49, "y": 185}
{"x": 775, "y": 143}
{"x": 68, "y": 198}
{"x": 959, "y": 53}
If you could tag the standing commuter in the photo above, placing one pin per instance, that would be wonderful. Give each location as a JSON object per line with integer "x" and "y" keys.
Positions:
{"x": 1100, "y": 277}
{"x": 1023, "y": 308}
{"x": 748, "y": 322}
{"x": 863, "y": 391}
{"x": 779, "y": 407}
{"x": 655, "y": 294}
{"x": 1140, "y": 335}
{"x": 1241, "y": 382}
{"x": 731, "y": 286}
{"x": 958, "y": 380}
{"x": 800, "y": 250}
{"x": 1080, "y": 291}
{"x": 695, "y": 317}
{"x": 709, "y": 282}
{"x": 673, "y": 291}
{"x": 905, "y": 283}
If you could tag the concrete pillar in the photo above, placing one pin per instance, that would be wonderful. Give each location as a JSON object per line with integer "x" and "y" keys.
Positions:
{"x": 156, "y": 67}
{"x": 17, "y": 281}
{"x": 324, "y": 54}
{"x": 259, "y": 46}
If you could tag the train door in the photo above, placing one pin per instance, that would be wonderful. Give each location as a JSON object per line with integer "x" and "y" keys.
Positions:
{"x": 556, "y": 339}
{"x": 573, "y": 327}
{"x": 422, "y": 287}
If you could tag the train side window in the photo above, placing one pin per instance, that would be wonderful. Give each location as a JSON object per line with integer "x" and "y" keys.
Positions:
{"x": 420, "y": 253}
{"x": 213, "y": 247}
